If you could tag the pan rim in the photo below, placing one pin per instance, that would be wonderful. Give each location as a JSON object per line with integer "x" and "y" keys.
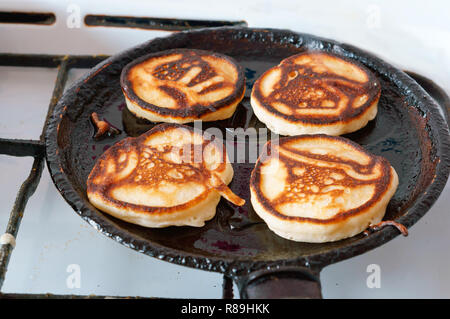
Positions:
{"x": 238, "y": 267}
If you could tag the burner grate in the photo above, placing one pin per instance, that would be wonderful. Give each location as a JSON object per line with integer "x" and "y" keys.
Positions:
{"x": 36, "y": 148}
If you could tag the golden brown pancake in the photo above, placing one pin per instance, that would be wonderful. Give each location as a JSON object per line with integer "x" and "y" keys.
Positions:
{"x": 316, "y": 92}
{"x": 170, "y": 175}
{"x": 183, "y": 85}
{"x": 320, "y": 188}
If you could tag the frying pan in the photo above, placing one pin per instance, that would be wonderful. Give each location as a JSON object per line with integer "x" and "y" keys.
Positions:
{"x": 410, "y": 130}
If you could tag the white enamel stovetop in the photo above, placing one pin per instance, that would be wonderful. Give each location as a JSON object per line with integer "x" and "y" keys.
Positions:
{"x": 412, "y": 35}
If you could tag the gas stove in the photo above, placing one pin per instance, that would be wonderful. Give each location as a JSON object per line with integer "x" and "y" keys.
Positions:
{"x": 51, "y": 251}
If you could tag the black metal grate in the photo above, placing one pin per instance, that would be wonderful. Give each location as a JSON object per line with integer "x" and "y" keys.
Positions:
{"x": 41, "y": 18}
{"x": 155, "y": 23}
{"x": 36, "y": 148}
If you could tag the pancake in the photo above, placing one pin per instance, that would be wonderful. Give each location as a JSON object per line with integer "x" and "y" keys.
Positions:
{"x": 183, "y": 85}
{"x": 316, "y": 92}
{"x": 170, "y": 175}
{"x": 320, "y": 188}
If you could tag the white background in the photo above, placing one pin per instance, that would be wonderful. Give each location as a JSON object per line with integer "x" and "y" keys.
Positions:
{"x": 413, "y": 35}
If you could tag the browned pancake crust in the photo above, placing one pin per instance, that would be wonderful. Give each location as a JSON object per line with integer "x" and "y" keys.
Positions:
{"x": 319, "y": 174}
{"x": 122, "y": 149}
{"x": 173, "y": 71}
{"x": 299, "y": 83}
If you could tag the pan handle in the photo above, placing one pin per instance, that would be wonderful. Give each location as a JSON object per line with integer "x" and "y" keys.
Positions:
{"x": 281, "y": 283}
